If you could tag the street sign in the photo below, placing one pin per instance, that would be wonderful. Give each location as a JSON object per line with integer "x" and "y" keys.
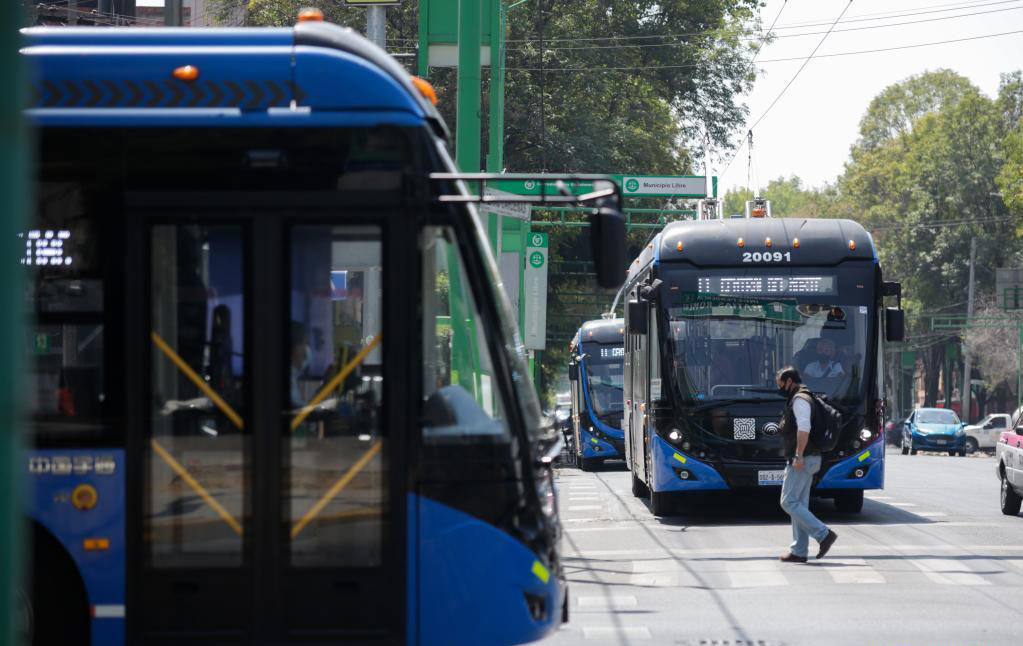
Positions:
{"x": 645, "y": 186}
{"x": 438, "y": 31}
{"x": 535, "y": 291}
{"x": 683, "y": 186}
{"x": 517, "y": 210}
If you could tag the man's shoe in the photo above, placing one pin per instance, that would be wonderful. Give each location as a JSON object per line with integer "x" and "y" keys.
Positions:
{"x": 792, "y": 558}
{"x": 826, "y": 544}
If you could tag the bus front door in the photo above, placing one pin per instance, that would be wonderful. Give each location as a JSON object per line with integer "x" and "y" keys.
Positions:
{"x": 269, "y": 503}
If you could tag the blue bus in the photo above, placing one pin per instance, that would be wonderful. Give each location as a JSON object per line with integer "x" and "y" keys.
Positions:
{"x": 595, "y": 375}
{"x": 714, "y": 308}
{"x": 274, "y": 390}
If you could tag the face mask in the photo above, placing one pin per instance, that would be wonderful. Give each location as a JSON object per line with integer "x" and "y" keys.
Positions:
{"x": 783, "y": 391}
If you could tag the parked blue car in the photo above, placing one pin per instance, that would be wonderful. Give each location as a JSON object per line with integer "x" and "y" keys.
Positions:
{"x": 933, "y": 429}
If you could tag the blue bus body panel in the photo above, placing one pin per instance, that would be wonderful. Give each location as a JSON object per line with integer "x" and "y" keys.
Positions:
{"x": 666, "y": 459}
{"x": 472, "y": 580}
{"x": 590, "y": 442}
{"x": 218, "y": 117}
{"x": 840, "y": 475}
{"x": 52, "y": 476}
{"x": 158, "y": 36}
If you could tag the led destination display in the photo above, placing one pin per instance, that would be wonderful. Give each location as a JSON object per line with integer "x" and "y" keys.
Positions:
{"x": 773, "y": 285}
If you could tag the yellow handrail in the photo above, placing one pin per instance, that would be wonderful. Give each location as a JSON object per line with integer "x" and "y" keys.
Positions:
{"x": 336, "y": 488}
{"x": 199, "y": 382}
{"x": 335, "y": 382}
{"x": 198, "y": 488}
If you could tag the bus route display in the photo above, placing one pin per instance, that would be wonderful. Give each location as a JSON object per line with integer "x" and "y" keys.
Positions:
{"x": 46, "y": 248}
{"x": 773, "y": 285}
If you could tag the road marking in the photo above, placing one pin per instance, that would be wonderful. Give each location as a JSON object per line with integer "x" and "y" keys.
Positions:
{"x": 850, "y": 571}
{"x": 947, "y": 572}
{"x": 583, "y": 507}
{"x": 868, "y": 549}
{"x": 576, "y": 530}
{"x": 607, "y": 602}
{"x": 869, "y": 497}
{"x": 662, "y": 573}
{"x": 581, "y": 520}
{"x": 609, "y": 632}
{"x": 901, "y": 504}
{"x": 755, "y": 574}
{"x": 931, "y": 514}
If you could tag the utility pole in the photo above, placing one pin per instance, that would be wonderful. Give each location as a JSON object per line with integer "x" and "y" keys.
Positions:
{"x": 468, "y": 129}
{"x": 965, "y": 395}
{"x": 376, "y": 25}
{"x": 14, "y": 165}
{"x": 172, "y": 13}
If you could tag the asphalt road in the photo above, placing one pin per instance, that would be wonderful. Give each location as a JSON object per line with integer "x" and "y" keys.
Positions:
{"x": 929, "y": 561}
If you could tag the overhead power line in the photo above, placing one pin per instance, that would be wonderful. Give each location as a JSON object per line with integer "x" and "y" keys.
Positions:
{"x": 753, "y": 33}
{"x": 789, "y": 84}
{"x": 762, "y": 37}
{"x": 639, "y": 68}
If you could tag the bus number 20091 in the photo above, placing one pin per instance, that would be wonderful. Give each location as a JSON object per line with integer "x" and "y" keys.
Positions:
{"x": 767, "y": 256}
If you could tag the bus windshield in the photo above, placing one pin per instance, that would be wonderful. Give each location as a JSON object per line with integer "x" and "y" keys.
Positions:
{"x": 731, "y": 347}
{"x": 604, "y": 378}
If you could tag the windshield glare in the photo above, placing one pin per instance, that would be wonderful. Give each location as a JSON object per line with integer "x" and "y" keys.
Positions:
{"x": 604, "y": 378}
{"x": 937, "y": 417}
{"x": 731, "y": 347}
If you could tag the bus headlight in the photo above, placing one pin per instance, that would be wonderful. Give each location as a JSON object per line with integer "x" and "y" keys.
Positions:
{"x": 675, "y": 436}
{"x": 865, "y": 434}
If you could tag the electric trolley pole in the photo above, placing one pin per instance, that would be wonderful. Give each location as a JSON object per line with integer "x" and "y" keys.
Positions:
{"x": 14, "y": 188}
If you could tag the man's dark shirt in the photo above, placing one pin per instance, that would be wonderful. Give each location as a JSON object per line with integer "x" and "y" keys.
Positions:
{"x": 787, "y": 428}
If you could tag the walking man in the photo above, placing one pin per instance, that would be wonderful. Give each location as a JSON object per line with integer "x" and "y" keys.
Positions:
{"x": 803, "y": 461}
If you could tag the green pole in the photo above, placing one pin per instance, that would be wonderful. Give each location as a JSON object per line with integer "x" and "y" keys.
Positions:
{"x": 467, "y": 109}
{"x": 14, "y": 187}
{"x": 495, "y": 156}
{"x": 423, "y": 58}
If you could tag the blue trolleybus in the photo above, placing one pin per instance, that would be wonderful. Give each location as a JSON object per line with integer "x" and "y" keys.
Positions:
{"x": 714, "y": 308}
{"x": 595, "y": 374}
{"x": 274, "y": 393}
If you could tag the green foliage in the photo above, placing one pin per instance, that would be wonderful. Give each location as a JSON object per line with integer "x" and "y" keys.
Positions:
{"x": 789, "y": 199}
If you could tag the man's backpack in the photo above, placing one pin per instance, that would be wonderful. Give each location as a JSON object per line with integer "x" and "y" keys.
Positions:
{"x": 826, "y": 425}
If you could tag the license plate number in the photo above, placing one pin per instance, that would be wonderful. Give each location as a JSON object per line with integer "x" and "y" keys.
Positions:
{"x": 940, "y": 442}
{"x": 770, "y": 478}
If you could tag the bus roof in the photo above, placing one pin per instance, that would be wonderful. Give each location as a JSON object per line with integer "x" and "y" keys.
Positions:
{"x": 314, "y": 73}
{"x": 602, "y": 331}
{"x": 715, "y": 243}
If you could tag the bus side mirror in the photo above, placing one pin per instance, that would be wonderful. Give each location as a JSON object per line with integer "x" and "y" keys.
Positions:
{"x": 607, "y": 240}
{"x": 894, "y": 324}
{"x": 638, "y": 317}
{"x": 573, "y": 371}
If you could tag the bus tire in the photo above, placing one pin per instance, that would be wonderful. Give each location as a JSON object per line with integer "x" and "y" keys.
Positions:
{"x": 660, "y": 503}
{"x": 588, "y": 464}
{"x": 639, "y": 488}
{"x": 1010, "y": 500}
{"x": 849, "y": 502}
{"x": 60, "y": 605}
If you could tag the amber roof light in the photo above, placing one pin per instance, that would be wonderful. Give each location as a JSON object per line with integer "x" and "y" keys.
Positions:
{"x": 310, "y": 14}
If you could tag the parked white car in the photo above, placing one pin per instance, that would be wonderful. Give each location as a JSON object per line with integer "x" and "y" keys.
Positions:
{"x": 985, "y": 433}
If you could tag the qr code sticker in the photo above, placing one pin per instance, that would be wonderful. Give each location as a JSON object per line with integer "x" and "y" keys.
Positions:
{"x": 744, "y": 428}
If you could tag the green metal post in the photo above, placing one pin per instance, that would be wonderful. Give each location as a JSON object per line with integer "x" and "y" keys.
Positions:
{"x": 423, "y": 58}
{"x": 14, "y": 165}
{"x": 467, "y": 110}
{"x": 495, "y": 156}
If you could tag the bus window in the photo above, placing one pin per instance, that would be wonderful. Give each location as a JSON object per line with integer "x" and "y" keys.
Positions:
{"x": 65, "y": 393}
{"x": 199, "y": 448}
{"x": 461, "y": 398}
{"x": 336, "y": 484}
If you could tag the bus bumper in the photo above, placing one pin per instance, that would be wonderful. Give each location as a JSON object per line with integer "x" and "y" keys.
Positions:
{"x": 843, "y": 474}
{"x": 670, "y": 464}
{"x": 476, "y": 584}
{"x": 595, "y": 447}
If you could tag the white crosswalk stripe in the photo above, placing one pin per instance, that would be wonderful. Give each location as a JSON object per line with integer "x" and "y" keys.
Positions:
{"x": 850, "y": 570}
{"x": 948, "y": 572}
{"x": 755, "y": 574}
{"x": 607, "y": 602}
{"x": 616, "y": 632}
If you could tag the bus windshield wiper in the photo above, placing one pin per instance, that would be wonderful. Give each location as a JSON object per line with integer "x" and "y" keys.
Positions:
{"x": 759, "y": 389}
{"x": 728, "y": 402}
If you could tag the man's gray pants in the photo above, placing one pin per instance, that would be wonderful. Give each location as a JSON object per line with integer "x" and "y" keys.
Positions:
{"x": 795, "y": 500}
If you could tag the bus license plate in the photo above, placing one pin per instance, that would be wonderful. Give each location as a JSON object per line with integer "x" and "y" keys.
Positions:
{"x": 770, "y": 478}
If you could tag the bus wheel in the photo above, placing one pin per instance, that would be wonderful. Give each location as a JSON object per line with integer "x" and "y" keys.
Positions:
{"x": 850, "y": 502}
{"x": 639, "y": 488}
{"x": 660, "y": 503}
{"x": 59, "y": 603}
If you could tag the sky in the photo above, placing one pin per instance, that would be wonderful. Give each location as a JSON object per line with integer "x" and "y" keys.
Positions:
{"x": 810, "y": 129}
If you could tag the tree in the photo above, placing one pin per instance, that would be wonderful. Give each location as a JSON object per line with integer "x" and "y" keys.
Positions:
{"x": 789, "y": 199}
